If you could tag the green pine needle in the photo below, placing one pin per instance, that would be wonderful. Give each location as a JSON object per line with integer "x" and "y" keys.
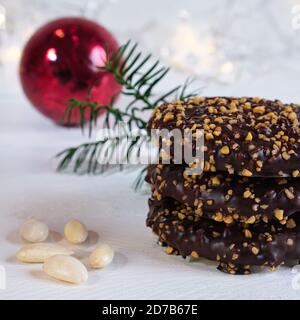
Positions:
{"x": 139, "y": 79}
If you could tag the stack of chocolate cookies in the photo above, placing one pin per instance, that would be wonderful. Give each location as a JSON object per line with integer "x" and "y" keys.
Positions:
{"x": 242, "y": 211}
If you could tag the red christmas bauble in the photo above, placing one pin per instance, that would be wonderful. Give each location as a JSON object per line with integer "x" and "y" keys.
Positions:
{"x": 61, "y": 60}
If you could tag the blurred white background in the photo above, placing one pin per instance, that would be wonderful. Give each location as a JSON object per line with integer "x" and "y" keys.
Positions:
{"x": 249, "y": 47}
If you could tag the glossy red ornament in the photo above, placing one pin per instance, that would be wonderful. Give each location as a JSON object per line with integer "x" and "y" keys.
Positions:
{"x": 60, "y": 62}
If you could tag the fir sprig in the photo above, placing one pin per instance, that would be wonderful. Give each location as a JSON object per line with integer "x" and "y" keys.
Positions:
{"x": 126, "y": 65}
{"x": 139, "y": 80}
{"x": 93, "y": 157}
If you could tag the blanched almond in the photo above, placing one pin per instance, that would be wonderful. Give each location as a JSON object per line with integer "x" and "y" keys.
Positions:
{"x": 65, "y": 268}
{"x": 34, "y": 231}
{"x": 75, "y": 232}
{"x": 39, "y": 252}
{"x": 101, "y": 256}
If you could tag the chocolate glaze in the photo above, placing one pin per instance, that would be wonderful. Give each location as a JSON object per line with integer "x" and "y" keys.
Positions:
{"x": 261, "y": 137}
{"x": 268, "y": 244}
{"x": 266, "y": 195}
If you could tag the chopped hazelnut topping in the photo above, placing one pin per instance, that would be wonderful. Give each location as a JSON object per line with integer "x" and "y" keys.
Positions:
{"x": 215, "y": 181}
{"x": 169, "y": 250}
{"x": 168, "y": 117}
{"x": 181, "y": 216}
{"x": 194, "y": 254}
{"x": 246, "y": 173}
{"x": 291, "y": 224}
{"x": 248, "y": 233}
{"x": 279, "y": 214}
{"x": 295, "y": 173}
{"x": 218, "y": 217}
{"x": 247, "y": 194}
{"x": 249, "y": 136}
{"x": 209, "y": 136}
{"x": 289, "y": 194}
{"x": 285, "y": 156}
{"x": 259, "y": 109}
{"x": 251, "y": 220}
{"x": 228, "y": 219}
{"x": 259, "y": 163}
{"x": 225, "y": 150}
{"x": 264, "y": 206}
{"x": 235, "y": 256}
